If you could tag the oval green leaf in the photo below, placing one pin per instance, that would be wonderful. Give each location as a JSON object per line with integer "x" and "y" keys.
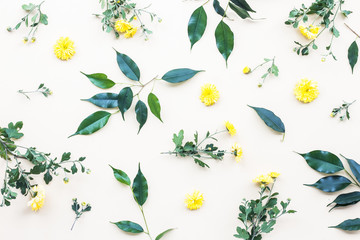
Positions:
{"x": 243, "y": 4}
{"x": 130, "y": 227}
{"x": 353, "y": 54}
{"x": 239, "y": 11}
{"x": 100, "y": 80}
{"x": 224, "y": 39}
{"x": 218, "y": 9}
{"x": 93, "y": 123}
{"x": 331, "y": 183}
{"x": 121, "y": 176}
{"x": 270, "y": 119}
{"x": 323, "y": 161}
{"x": 104, "y": 100}
{"x": 141, "y": 113}
{"x": 349, "y": 225}
{"x": 125, "y": 100}
{"x": 128, "y": 66}
{"x": 354, "y": 166}
{"x": 154, "y": 105}
{"x": 197, "y": 25}
{"x": 346, "y": 199}
{"x": 140, "y": 188}
{"x": 179, "y": 75}
{"x": 163, "y": 234}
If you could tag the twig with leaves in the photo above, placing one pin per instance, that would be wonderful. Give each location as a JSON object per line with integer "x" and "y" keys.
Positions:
{"x": 79, "y": 210}
{"x": 272, "y": 70}
{"x": 339, "y": 110}
{"x": 41, "y": 89}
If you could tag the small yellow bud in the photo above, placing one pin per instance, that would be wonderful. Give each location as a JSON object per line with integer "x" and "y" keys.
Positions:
{"x": 135, "y": 18}
{"x": 9, "y": 29}
{"x": 159, "y": 20}
{"x": 323, "y": 59}
{"x": 66, "y": 180}
{"x": 88, "y": 171}
{"x": 33, "y": 39}
{"x": 246, "y": 70}
{"x": 83, "y": 203}
{"x": 25, "y": 40}
{"x": 332, "y": 115}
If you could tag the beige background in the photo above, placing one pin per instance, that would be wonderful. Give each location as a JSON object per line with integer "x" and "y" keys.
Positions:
{"x": 48, "y": 122}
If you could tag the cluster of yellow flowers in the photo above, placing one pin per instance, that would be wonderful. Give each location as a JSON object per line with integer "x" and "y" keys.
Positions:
{"x": 123, "y": 26}
{"x": 265, "y": 180}
{"x": 309, "y": 32}
{"x": 194, "y": 201}
{"x": 37, "y": 201}
{"x": 306, "y": 90}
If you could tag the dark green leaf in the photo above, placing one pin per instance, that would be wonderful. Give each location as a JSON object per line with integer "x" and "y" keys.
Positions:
{"x": 47, "y": 177}
{"x": 74, "y": 169}
{"x": 128, "y": 226}
{"x": 349, "y": 225}
{"x": 201, "y": 163}
{"x": 355, "y": 167}
{"x": 243, "y": 4}
{"x": 104, "y": 100}
{"x": 323, "y": 161}
{"x": 331, "y": 183}
{"x": 154, "y": 105}
{"x": 128, "y": 66}
{"x": 93, "y": 123}
{"x": 197, "y": 25}
{"x": 100, "y": 80}
{"x": 346, "y": 13}
{"x": 125, "y": 100}
{"x": 346, "y": 199}
{"x": 353, "y": 54}
{"x": 270, "y": 119}
{"x": 242, "y": 233}
{"x": 13, "y": 130}
{"x": 140, "y": 188}
{"x": 224, "y": 39}
{"x": 163, "y": 233}
{"x": 179, "y": 75}
{"x": 121, "y": 176}
{"x": 65, "y": 156}
{"x": 239, "y": 11}
{"x": 141, "y": 113}
{"x": 218, "y": 9}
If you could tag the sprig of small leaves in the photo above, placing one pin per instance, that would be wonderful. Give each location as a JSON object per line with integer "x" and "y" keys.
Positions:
{"x": 272, "y": 70}
{"x": 124, "y": 99}
{"x": 328, "y": 163}
{"x": 32, "y": 20}
{"x": 79, "y": 209}
{"x": 126, "y": 10}
{"x": 16, "y": 176}
{"x": 139, "y": 189}
{"x": 260, "y": 215}
{"x": 343, "y": 110}
{"x": 41, "y": 89}
{"x": 327, "y": 11}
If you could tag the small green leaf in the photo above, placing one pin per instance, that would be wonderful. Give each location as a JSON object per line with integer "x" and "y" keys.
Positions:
{"x": 128, "y": 66}
{"x": 141, "y": 113}
{"x": 353, "y": 54}
{"x": 163, "y": 233}
{"x": 323, "y": 161}
{"x": 349, "y": 225}
{"x": 179, "y": 75}
{"x": 331, "y": 183}
{"x": 93, "y": 123}
{"x": 47, "y": 177}
{"x": 239, "y": 11}
{"x": 218, "y": 9}
{"x": 355, "y": 167}
{"x": 154, "y": 105}
{"x": 125, "y": 100}
{"x": 197, "y": 25}
{"x": 65, "y": 157}
{"x": 140, "y": 188}
{"x": 74, "y": 169}
{"x": 346, "y": 199}
{"x": 224, "y": 39}
{"x": 128, "y": 226}
{"x": 44, "y": 19}
{"x": 177, "y": 139}
{"x": 242, "y": 233}
{"x": 121, "y": 176}
{"x": 100, "y": 80}
{"x": 104, "y": 100}
{"x": 270, "y": 119}
{"x": 335, "y": 32}
{"x": 243, "y": 4}
{"x": 346, "y": 12}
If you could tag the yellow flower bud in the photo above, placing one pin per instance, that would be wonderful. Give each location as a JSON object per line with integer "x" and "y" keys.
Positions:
{"x": 83, "y": 203}
{"x": 66, "y": 180}
{"x": 246, "y": 70}
{"x": 33, "y": 39}
{"x": 25, "y": 40}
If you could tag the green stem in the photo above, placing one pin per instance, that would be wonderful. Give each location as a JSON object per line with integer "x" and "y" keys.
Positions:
{"x": 144, "y": 85}
{"x": 227, "y": 6}
{"x": 210, "y": 136}
{"x": 352, "y": 30}
{"x": 355, "y": 182}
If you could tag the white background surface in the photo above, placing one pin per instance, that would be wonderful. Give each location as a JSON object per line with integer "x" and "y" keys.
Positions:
{"x": 48, "y": 122}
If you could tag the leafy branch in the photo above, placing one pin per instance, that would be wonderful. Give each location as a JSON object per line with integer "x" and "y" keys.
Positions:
{"x": 79, "y": 210}
{"x": 272, "y": 70}
{"x": 41, "y": 89}
{"x": 345, "y": 106}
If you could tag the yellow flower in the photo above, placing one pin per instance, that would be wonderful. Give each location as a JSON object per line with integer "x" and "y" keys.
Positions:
{"x": 246, "y": 70}
{"x": 64, "y": 48}
{"x": 37, "y": 202}
{"x": 209, "y": 94}
{"x": 230, "y": 128}
{"x": 25, "y": 40}
{"x": 310, "y": 32}
{"x": 135, "y": 18}
{"x": 130, "y": 33}
{"x": 237, "y": 151}
{"x": 122, "y": 26}
{"x": 274, "y": 174}
{"x": 194, "y": 201}
{"x": 263, "y": 180}
{"x": 83, "y": 204}
{"x": 306, "y": 90}
{"x": 33, "y": 39}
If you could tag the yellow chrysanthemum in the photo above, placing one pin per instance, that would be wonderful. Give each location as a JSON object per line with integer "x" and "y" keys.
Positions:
{"x": 130, "y": 33}
{"x": 64, "y": 48}
{"x": 309, "y": 32}
{"x": 246, "y": 70}
{"x": 194, "y": 201}
{"x": 237, "y": 151}
{"x": 209, "y": 94}
{"x": 263, "y": 180}
{"x": 306, "y": 90}
{"x": 230, "y": 128}
{"x": 37, "y": 202}
{"x": 274, "y": 174}
{"x": 122, "y": 26}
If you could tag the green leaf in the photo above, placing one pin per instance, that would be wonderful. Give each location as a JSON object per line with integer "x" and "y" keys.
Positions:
{"x": 335, "y": 32}
{"x": 44, "y": 19}
{"x": 201, "y": 163}
{"x": 128, "y": 66}
{"x": 224, "y": 39}
{"x": 243, "y": 4}
{"x": 28, "y": 7}
{"x": 47, "y": 177}
{"x": 93, "y": 123}
{"x": 178, "y": 139}
{"x": 346, "y": 199}
{"x": 125, "y": 100}
{"x": 100, "y": 80}
{"x": 197, "y": 25}
{"x": 349, "y": 225}
{"x": 355, "y": 167}
{"x": 218, "y": 9}
{"x": 141, "y": 113}
{"x": 267, "y": 227}
{"x": 74, "y": 169}
{"x": 140, "y": 188}
{"x": 239, "y": 11}
{"x": 128, "y": 226}
{"x": 12, "y": 131}
{"x": 154, "y": 105}
{"x": 121, "y": 176}
{"x": 65, "y": 157}
{"x": 104, "y": 100}
{"x": 331, "y": 183}
{"x": 179, "y": 75}
{"x": 270, "y": 119}
{"x": 353, "y": 54}
{"x": 346, "y": 12}
{"x": 163, "y": 233}
{"x": 242, "y": 233}
{"x": 323, "y": 161}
